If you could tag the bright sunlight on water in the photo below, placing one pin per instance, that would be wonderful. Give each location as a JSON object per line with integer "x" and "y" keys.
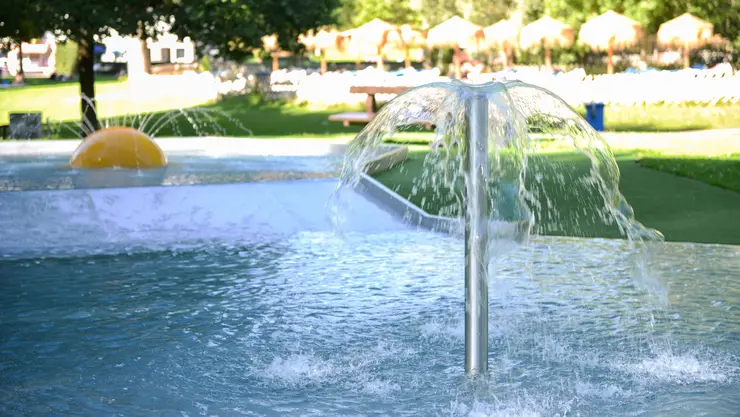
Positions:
{"x": 368, "y": 324}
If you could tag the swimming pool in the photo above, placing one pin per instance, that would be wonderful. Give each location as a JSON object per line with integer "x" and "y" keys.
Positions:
{"x": 49, "y": 172}
{"x": 241, "y": 298}
{"x": 367, "y": 324}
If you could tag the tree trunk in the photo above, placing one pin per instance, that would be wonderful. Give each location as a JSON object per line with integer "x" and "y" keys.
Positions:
{"x": 358, "y": 63}
{"x": 146, "y": 56}
{"x": 87, "y": 82}
{"x": 145, "y": 49}
{"x": 323, "y": 62}
{"x": 456, "y": 62}
{"x": 686, "y": 61}
{"x": 548, "y": 57}
{"x": 20, "y": 77}
{"x": 380, "y": 59}
{"x": 275, "y": 62}
{"x": 407, "y": 57}
{"x": 610, "y": 59}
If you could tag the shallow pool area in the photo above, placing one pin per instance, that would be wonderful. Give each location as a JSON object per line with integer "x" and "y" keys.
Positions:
{"x": 50, "y": 172}
{"x": 368, "y": 324}
{"x": 227, "y": 295}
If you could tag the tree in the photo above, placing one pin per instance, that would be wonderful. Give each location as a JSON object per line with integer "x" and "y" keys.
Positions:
{"x": 435, "y": 12}
{"x": 22, "y": 25}
{"x": 345, "y": 13}
{"x": 235, "y": 27}
{"x": 486, "y": 12}
{"x": 81, "y": 21}
{"x": 397, "y": 12}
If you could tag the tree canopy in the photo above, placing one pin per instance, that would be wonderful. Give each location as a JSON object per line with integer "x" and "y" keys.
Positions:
{"x": 724, "y": 14}
{"x": 235, "y": 27}
{"x": 354, "y": 13}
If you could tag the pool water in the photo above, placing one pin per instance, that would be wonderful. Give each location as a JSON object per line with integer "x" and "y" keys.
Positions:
{"x": 317, "y": 324}
{"x": 50, "y": 171}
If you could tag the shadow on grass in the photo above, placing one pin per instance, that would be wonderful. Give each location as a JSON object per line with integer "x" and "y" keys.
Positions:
{"x": 239, "y": 116}
{"x": 247, "y": 115}
{"x": 653, "y": 128}
{"x": 723, "y": 172}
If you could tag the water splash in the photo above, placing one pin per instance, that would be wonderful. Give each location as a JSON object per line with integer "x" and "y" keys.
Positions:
{"x": 178, "y": 122}
{"x": 549, "y": 171}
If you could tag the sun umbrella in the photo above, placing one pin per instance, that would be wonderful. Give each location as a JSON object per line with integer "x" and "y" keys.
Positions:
{"x": 321, "y": 41}
{"x": 502, "y": 35}
{"x": 375, "y": 33}
{"x": 687, "y": 31}
{"x": 549, "y": 32}
{"x": 353, "y": 48}
{"x": 411, "y": 37}
{"x": 456, "y": 33}
{"x": 270, "y": 44}
{"x": 608, "y": 32}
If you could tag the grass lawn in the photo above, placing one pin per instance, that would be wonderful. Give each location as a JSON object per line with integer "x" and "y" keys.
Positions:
{"x": 723, "y": 172}
{"x": 669, "y": 118}
{"x": 32, "y": 81}
{"x": 59, "y": 103}
{"x": 268, "y": 119}
{"x": 247, "y": 116}
{"x": 683, "y": 209}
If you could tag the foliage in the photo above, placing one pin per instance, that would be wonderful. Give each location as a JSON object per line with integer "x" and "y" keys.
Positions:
{"x": 353, "y": 13}
{"x": 724, "y": 14}
{"x": 486, "y": 13}
{"x": 25, "y": 20}
{"x": 235, "y": 27}
{"x": 78, "y": 19}
{"x": 435, "y": 12}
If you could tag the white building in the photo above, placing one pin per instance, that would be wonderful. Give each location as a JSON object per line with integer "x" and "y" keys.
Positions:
{"x": 39, "y": 58}
{"x": 165, "y": 49}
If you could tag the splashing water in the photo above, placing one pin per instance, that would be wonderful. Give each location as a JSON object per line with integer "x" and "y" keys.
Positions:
{"x": 201, "y": 121}
{"x": 549, "y": 171}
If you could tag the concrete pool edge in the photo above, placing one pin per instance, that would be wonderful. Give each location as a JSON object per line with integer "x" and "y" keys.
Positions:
{"x": 205, "y": 146}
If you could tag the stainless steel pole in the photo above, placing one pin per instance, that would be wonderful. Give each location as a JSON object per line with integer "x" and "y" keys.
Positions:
{"x": 476, "y": 235}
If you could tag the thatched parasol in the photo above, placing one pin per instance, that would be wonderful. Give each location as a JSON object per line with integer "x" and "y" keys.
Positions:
{"x": 353, "y": 47}
{"x": 686, "y": 31}
{"x": 375, "y": 33}
{"x": 549, "y": 32}
{"x": 270, "y": 44}
{"x": 456, "y": 33}
{"x": 321, "y": 41}
{"x": 610, "y": 31}
{"x": 411, "y": 37}
{"x": 503, "y": 36}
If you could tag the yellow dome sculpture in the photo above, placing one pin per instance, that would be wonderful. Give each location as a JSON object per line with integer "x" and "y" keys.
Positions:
{"x": 119, "y": 147}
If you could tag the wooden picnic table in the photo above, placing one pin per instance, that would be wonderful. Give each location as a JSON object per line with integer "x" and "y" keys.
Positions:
{"x": 371, "y": 104}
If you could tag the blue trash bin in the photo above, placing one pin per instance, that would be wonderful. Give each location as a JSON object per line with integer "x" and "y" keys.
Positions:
{"x": 595, "y": 115}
